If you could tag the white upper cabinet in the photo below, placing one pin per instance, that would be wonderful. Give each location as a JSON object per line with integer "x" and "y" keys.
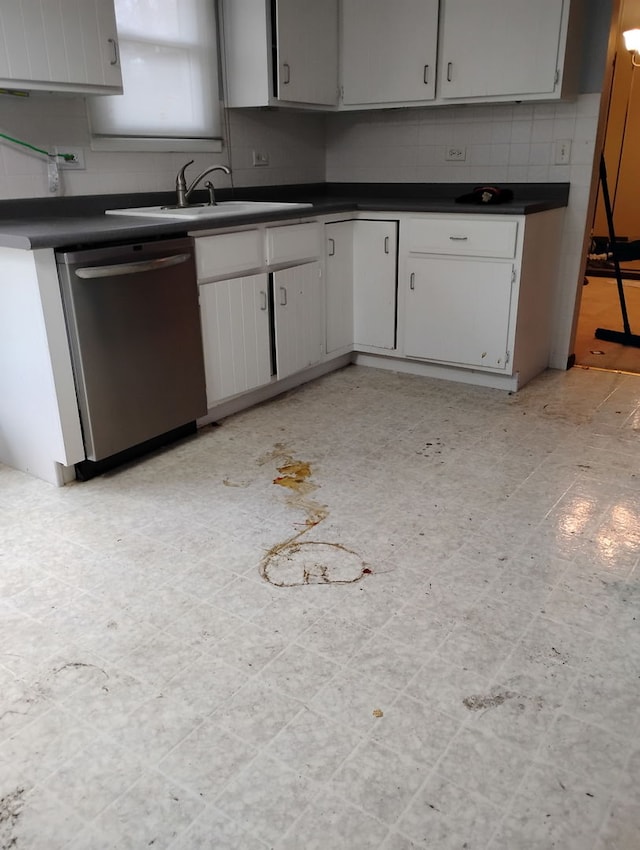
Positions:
{"x": 280, "y": 51}
{"x": 60, "y": 45}
{"x": 507, "y": 49}
{"x": 399, "y": 52}
{"x": 307, "y": 41}
{"x": 388, "y": 51}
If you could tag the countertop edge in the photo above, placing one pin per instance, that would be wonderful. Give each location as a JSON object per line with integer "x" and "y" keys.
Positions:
{"x": 34, "y": 225}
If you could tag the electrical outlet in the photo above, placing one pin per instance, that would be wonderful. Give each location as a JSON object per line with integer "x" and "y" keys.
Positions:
{"x": 456, "y": 153}
{"x": 77, "y": 163}
{"x": 563, "y": 152}
{"x": 260, "y": 158}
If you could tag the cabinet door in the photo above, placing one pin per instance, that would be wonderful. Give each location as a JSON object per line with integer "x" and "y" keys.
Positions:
{"x": 339, "y": 285}
{"x": 298, "y": 318}
{"x": 107, "y": 50}
{"x": 307, "y": 33}
{"x": 60, "y": 44}
{"x": 457, "y": 311}
{"x": 235, "y": 335}
{"x": 388, "y": 50}
{"x": 375, "y": 283}
{"x": 499, "y": 47}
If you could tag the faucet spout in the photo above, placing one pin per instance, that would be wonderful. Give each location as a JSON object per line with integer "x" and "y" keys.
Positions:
{"x": 184, "y": 193}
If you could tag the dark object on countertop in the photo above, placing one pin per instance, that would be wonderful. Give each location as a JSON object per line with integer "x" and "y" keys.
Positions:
{"x": 486, "y": 195}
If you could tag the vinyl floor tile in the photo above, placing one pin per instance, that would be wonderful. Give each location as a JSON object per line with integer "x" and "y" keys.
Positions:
{"x": 475, "y": 686}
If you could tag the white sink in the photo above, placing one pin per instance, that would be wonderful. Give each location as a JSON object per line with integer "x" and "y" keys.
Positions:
{"x": 219, "y": 210}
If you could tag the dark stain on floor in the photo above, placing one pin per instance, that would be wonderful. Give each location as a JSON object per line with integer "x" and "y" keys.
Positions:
{"x": 477, "y": 702}
{"x": 10, "y": 811}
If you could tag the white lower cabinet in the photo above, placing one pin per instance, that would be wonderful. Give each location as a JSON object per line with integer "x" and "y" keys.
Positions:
{"x": 459, "y": 274}
{"x": 227, "y": 255}
{"x": 375, "y": 284}
{"x": 457, "y": 311}
{"x": 339, "y": 285}
{"x": 235, "y": 335}
{"x": 299, "y": 329}
{"x": 475, "y": 296}
{"x": 361, "y": 284}
{"x": 462, "y": 297}
{"x": 261, "y": 300}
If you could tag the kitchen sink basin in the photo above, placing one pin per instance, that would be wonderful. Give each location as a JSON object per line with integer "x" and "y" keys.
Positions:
{"x": 199, "y": 211}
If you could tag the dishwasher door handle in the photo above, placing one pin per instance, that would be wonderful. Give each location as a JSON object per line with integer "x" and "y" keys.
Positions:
{"x": 132, "y": 268}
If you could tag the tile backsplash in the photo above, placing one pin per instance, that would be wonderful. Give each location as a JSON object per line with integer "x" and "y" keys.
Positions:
{"x": 500, "y": 142}
{"x": 294, "y": 142}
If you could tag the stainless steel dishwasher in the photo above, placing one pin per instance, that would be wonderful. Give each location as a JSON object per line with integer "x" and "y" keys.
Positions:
{"x": 133, "y": 323}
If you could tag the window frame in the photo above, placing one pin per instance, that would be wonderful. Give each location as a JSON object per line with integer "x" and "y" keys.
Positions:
{"x": 169, "y": 144}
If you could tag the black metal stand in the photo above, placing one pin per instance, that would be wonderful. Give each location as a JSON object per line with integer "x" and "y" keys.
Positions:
{"x": 624, "y": 337}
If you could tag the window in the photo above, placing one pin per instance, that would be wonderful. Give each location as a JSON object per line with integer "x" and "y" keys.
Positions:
{"x": 168, "y": 55}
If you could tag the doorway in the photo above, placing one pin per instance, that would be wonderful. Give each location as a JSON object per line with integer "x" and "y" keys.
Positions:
{"x": 600, "y": 304}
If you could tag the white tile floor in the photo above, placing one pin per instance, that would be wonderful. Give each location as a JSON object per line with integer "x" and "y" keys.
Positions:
{"x": 456, "y": 667}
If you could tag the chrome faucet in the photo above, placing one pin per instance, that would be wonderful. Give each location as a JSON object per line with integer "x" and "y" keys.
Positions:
{"x": 181, "y": 184}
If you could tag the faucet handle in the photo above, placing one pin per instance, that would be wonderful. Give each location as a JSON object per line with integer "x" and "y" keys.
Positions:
{"x": 212, "y": 195}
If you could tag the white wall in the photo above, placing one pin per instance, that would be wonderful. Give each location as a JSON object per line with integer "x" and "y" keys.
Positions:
{"x": 295, "y": 143}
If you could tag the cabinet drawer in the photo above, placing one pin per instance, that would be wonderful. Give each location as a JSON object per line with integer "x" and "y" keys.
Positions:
{"x": 463, "y": 236}
{"x": 293, "y": 242}
{"x": 228, "y": 254}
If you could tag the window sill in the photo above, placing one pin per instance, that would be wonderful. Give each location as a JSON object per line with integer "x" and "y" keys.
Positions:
{"x": 146, "y": 145}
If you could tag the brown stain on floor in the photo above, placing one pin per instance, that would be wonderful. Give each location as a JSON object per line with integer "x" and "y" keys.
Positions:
{"x": 293, "y": 475}
{"x": 295, "y": 478}
{"x": 314, "y": 570}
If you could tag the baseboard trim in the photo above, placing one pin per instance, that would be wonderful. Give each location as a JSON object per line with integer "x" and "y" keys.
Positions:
{"x": 269, "y": 391}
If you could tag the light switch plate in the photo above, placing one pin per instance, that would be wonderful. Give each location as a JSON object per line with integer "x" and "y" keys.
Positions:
{"x": 260, "y": 158}
{"x": 563, "y": 152}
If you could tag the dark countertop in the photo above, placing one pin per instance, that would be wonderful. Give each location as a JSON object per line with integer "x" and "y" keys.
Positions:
{"x": 80, "y": 220}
